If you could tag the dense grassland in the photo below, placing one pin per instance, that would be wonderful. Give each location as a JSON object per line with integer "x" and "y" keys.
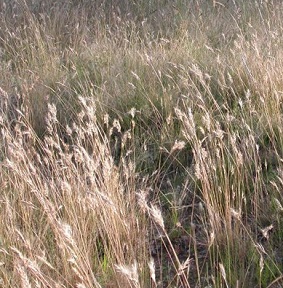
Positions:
{"x": 141, "y": 143}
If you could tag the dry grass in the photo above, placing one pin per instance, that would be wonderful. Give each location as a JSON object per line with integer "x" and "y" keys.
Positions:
{"x": 139, "y": 152}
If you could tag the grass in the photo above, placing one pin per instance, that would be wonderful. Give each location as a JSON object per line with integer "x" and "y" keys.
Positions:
{"x": 141, "y": 144}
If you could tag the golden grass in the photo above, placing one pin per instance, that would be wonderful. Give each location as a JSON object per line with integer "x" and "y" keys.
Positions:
{"x": 139, "y": 152}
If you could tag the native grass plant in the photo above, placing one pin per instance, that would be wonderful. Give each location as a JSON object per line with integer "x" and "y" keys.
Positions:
{"x": 141, "y": 143}
{"x": 66, "y": 214}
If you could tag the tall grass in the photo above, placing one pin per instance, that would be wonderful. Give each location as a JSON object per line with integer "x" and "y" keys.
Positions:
{"x": 141, "y": 144}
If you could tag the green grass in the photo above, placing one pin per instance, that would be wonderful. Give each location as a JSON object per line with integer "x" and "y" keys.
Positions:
{"x": 141, "y": 143}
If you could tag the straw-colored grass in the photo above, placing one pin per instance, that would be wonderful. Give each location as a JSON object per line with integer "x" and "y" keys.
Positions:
{"x": 141, "y": 143}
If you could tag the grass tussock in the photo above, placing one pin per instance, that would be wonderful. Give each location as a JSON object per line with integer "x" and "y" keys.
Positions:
{"x": 141, "y": 144}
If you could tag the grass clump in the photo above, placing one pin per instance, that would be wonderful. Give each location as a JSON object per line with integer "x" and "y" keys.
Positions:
{"x": 141, "y": 144}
